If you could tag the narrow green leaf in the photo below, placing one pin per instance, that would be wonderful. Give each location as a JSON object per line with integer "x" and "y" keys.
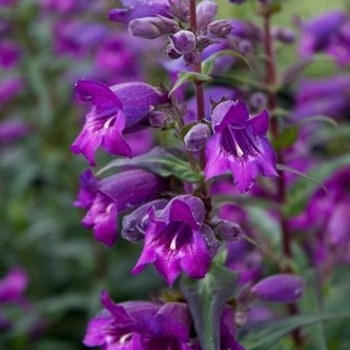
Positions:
{"x": 160, "y": 162}
{"x": 286, "y": 139}
{"x": 319, "y": 118}
{"x": 206, "y": 299}
{"x": 269, "y": 337}
{"x": 189, "y": 76}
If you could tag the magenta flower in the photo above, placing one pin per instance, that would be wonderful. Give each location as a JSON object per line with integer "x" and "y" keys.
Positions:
{"x": 239, "y": 145}
{"x": 113, "y": 327}
{"x": 13, "y": 285}
{"x": 177, "y": 239}
{"x": 116, "y": 110}
{"x": 105, "y": 199}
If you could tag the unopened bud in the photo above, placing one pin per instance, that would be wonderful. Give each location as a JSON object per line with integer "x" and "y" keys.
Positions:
{"x": 258, "y": 100}
{"x": 284, "y": 35}
{"x": 197, "y": 137}
{"x": 171, "y": 53}
{"x": 203, "y": 42}
{"x": 229, "y": 231}
{"x": 152, "y": 27}
{"x": 135, "y": 224}
{"x": 220, "y": 28}
{"x": 282, "y": 288}
{"x": 191, "y": 58}
{"x": 158, "y": 119}
{"x": 206, "y": 12}
{"x": 244, "y": 46}
{"x": 183, "y": 41}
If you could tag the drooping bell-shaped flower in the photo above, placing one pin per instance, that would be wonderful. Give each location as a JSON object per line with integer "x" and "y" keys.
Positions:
{"x": 239, "y": 145}
{"x": 113, "y": 327}
{"x": 104, "y": 199}
{"x": 177, "y": 240}
{"x": 116, "y": 110}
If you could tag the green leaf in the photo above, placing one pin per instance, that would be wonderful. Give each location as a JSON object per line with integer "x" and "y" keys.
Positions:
{"x": 206, "y": 299}
{"x": 189, "y": 76}
{"x": 286, "y": 139}
{"x": 160, "y": 162}
{"x": 299, "y": 193}
{"x": 271, "y": 335}
{"x": 319, "y": 118}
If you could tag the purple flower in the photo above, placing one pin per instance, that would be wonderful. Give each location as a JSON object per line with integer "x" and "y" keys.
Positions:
{"x": 113, "y": 327}
{"x": 329, "y": 33}
{"x": 140, "y": 9}
{"x": 12, "y": 130}
{"x": 106, "y": 198}
{"x": 10, "y": 54}
{"x": 13, "y": 285}
{"x": 168, "y": 329}
{"x": 239, "y": 145}
{"x": 177, "y": 239}
{"x": 116, "y": 110}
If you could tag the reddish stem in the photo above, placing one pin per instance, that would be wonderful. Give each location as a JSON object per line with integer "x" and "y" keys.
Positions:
{"x": 270, "y": 80}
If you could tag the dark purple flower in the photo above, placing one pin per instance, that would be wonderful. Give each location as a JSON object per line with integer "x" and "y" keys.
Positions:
{"x": 168, "y": 329}
{"x": 114, "y": 327}
{"x": 116, "y": 110}
{"x": 184, "y": 41}
{"x": 10, "y": 54}
{"x": 239, "y": 145}
{"x": 177, "y": 239}
{"x": 282, "y": 288}
{"x": 108, "y": 197}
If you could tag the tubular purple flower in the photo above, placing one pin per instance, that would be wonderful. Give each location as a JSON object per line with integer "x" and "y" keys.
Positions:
{"x": 139, "y": 9}
{"x": 176, "y": 239}
{"x": 106, "y": 198}
{"x": 239, "y": 145}
{"x": 113, "y": 327}
{"x": 169, "y": 328}
{"x": 282, "y": 288}
{"x": 152, "y": 27}
{"x": 116, "y": 110}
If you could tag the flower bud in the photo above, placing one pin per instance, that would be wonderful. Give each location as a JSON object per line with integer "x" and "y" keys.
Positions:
{"x": 197, "y": 137}
{"x": 171, "y": 53}
{"x": 158, "y": 119}
{"x": 284, "y": 35}
{"x": 135, "y": 224}
{"x": 203, "y": 41}
{"x": 152, "y": 27}
{"x": 190, "y": 58}
{"x": 229, "y": 231}
{"x": 183, "y": 41}
{"x": 220, "y": 28}
{"x": 244, "y": 46}
{"x": 206, "y": 12}
{"x": 282, "y": 288}
{"x": 258, "y": 100}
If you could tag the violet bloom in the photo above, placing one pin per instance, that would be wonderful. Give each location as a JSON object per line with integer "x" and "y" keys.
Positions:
{"x": 13, "y": 285}
{"x": 106, "y": 198}
{"x": 113, "y": 328}
{"x": 12, "y": 130}
{"x": 116, "y": 110}
{"x": 239, "y": 145}
{"x": 168, "y": 329}
{"x": 177, "y": 239}
{"x": 328, "y": 33}
{"x": 139, "y": 9}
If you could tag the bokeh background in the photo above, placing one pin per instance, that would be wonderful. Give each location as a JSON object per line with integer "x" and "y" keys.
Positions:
{"x": 45, "y": 46}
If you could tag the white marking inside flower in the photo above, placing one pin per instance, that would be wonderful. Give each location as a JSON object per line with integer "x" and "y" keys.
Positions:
{"x": 173, "y": 243}
{"x": 239, "y": 150}
{"x": 107, "y": 124}
{"x": 125, "y": 338}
